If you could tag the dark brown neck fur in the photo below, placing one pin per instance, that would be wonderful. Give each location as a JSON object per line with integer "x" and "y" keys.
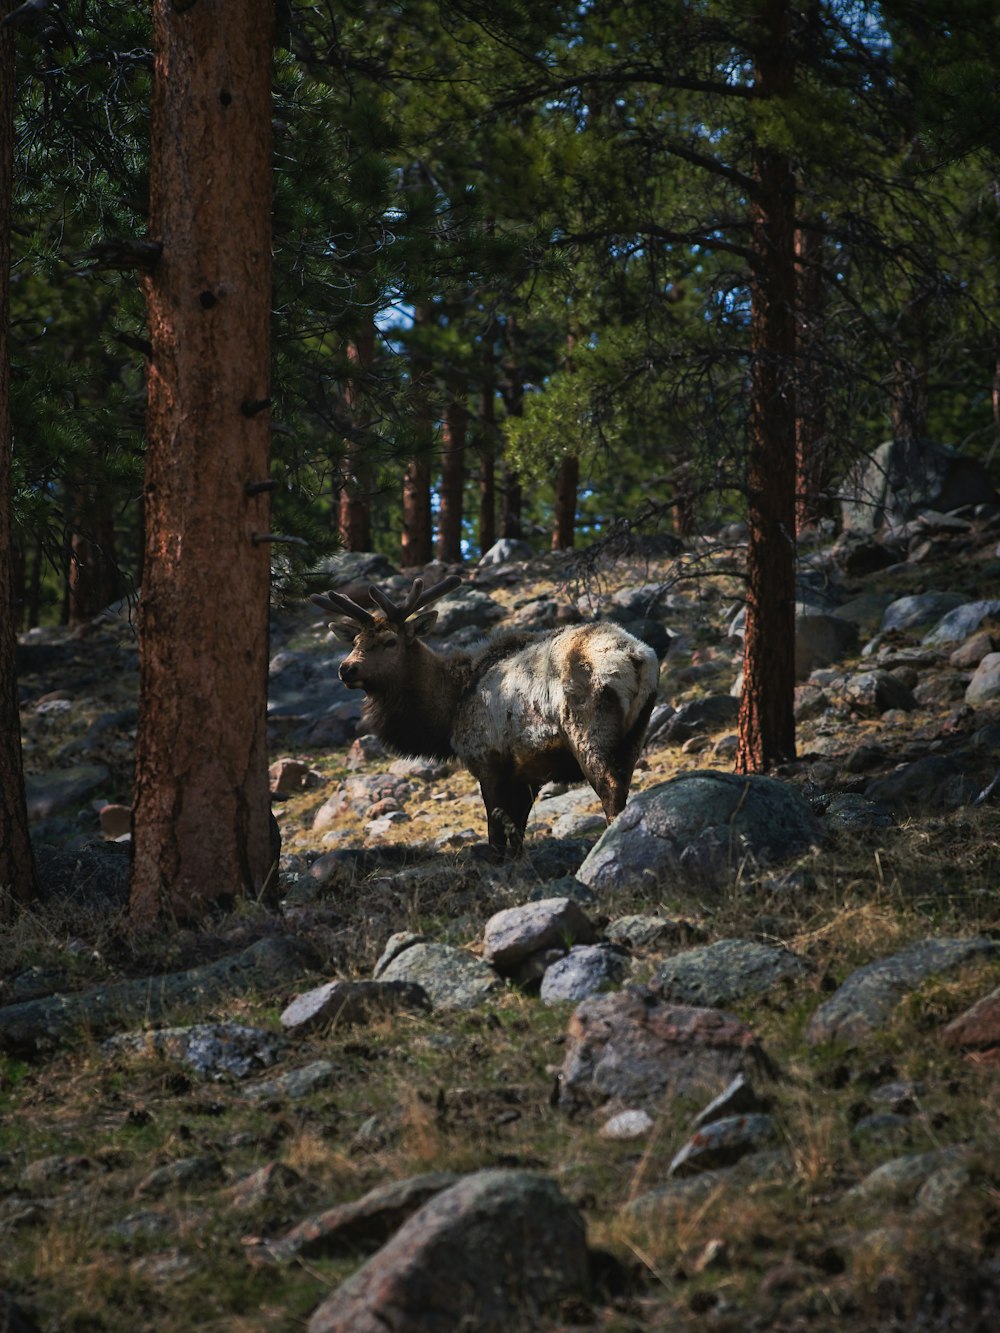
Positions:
{"x": 416, "y": 716}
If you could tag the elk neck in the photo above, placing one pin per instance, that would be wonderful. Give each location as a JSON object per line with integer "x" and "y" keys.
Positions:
{"x": 416, "y": 714}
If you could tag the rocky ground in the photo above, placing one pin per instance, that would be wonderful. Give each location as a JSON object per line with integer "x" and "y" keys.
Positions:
{"x": 730, "y": 1065}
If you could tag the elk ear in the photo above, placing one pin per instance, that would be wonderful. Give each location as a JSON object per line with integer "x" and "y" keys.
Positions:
{"x": 421, "y": 624}
{"x": 344, "y": 631}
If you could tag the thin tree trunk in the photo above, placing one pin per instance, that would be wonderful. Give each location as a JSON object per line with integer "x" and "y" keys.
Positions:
{"x": 487, "y": 460}
{"x": 18, "y": 883}
{"x": 201, "y": 821}
{"x": 353, "y": 508}
{"x": 449, "y": 543}
{"x": 416, "y": 538}
{"x": 567, "y": 485}
{"x": 766, "y": 718}
{"x": 93, "y": 572}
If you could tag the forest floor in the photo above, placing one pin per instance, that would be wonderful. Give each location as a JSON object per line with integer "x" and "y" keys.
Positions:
{"x": 94, "y": 1239}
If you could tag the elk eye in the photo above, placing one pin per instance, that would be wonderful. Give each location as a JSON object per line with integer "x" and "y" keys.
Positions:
{"x": 391, "y": 641}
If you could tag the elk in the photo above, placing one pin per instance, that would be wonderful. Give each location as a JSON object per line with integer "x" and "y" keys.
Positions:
{"x": 522, "y": 709}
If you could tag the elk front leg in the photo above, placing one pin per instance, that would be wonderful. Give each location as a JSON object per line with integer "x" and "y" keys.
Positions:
{"x": 607, "y": 753}
{"x": 508, "y": 803}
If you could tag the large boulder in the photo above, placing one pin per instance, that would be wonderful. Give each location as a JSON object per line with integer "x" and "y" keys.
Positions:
{"x": 703, "y": 822}
{"x": 490, "y": 1253}
{"x": 903, "y": 476}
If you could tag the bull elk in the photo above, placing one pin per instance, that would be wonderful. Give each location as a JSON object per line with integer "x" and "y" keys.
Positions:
{"x": 522, "y": 709}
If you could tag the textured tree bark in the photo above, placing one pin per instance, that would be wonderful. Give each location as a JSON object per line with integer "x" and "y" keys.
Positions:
{"x": 567, "y": 485}
{"x": 487, "y": 457}
{"x": 201, "y": 806}
{"x": 18, "y": 885}
{"x": 449, "y": 543}
{"x": 93, "y": 575}
{"x": 354, "y": 519}
{"x": 766, "y": 717}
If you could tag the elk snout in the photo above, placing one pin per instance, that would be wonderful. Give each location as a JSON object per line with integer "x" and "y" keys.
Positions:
{"x": 349, "y": 673}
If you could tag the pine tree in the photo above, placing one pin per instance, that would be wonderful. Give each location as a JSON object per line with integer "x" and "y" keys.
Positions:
{"x": 201, "y": 809}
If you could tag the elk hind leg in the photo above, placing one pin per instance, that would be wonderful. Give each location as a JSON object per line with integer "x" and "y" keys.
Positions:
{"x": 508, "y": 803}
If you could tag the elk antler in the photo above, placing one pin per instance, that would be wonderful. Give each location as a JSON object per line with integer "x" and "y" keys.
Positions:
{"x": 416, "y": 599}
{"x": 335, "y": 601}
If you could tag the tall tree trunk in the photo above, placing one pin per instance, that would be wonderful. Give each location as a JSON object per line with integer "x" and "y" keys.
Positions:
{"x": 811, "y": 442}
{"x": 93, "y": 573}
{"x": 564, "y": 518}
{"x": 201, "y": 821}
{"x": 449, "y": 543}
{"x": 766, "y": 718}
{"x": 354, "y": 519}
{"x": 416, "y": 537}
{"x": 18, "y": 885}
{"x": 487, "y": 458}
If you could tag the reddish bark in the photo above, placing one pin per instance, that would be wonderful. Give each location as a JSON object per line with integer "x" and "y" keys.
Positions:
{"x": 201, "y": 807}
{"x": 564, "y": 517}
{"x": 449, "y": 543}
{"x": 93, "y": 573}
{"x": 487, "y": 466}
{"x": 18, "y": 885}
{"x": 766, "y": 718}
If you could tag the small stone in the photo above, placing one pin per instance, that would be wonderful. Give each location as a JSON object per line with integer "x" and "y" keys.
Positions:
{"x": 627, "y": 1125}
{"x": 115, "y": 820}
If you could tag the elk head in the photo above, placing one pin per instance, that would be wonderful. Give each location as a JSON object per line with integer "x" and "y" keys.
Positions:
{"x": 381, "y": 639}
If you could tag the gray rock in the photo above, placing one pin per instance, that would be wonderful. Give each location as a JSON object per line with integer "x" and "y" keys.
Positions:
{"x": 681, "y": 1199}
{"x": 632, "y": 1049}
{"x": 701, "y": 716}
{"x": 498, "y": 1247}
{"x": 638, "y": 931}
{"x": 294, "y": 1083}
{"x": 739, "y": 1098}
{"x": 959, "y": 624}
{"x": 867, "y": 999}
{"x": 627, "y": 1125}
{"x": 934, "y": 782}
{"x": 506, "y": 550}
{"x": 985, "y": 683}
{"x": 394, "y": 946}
{"x": 452, "y": 978}
{"x": 213, "y": 1050}
{"x": 903, "y": 476}
{"x": 849, "y": 812}
{"x": 511, "y": 935}
{"x": 343, "y": 1003}
{"x": 585, "y": 970}
{"x": 188, "y": 1173}
{"x": 871, "y": 693}
{"x": 723, "y": 1143}
{"x": 900, "y": 1180}
{"x": 49, "y": 793}
{"x": 467, "y": 608}
{"x": 919, "y": 610}
{"x": 271, "y": 964}
{"x": 361, "y": 1225}
{"x": 821, "y": 640}
{"x": 717, "y": 974}
{"x": 702, "y": 823}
